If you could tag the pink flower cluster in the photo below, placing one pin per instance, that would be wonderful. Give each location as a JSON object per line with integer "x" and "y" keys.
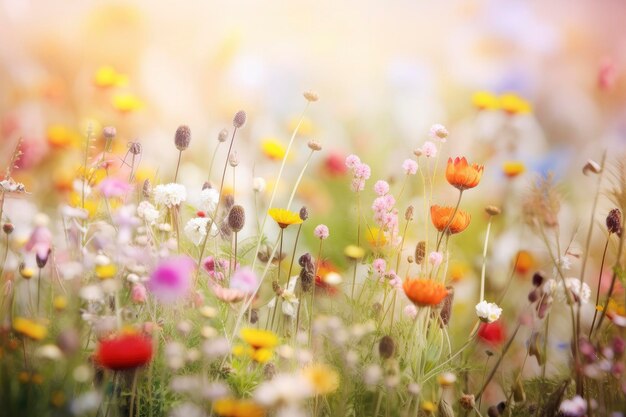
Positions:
{"x": 360, "y": 170}
{"x": 215, "y": 267}
{"x": 385, "y": 215}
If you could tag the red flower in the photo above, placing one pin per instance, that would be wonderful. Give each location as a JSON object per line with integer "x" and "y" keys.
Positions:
{"x": 126, "y": 351}
{"x": 334, "y": 164}
{"x": 492, "y": 333}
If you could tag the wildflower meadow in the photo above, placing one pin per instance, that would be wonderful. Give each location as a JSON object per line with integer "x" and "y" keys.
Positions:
{"x": 316, "y": 249}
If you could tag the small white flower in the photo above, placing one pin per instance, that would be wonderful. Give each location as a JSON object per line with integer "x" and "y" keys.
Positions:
{"x": 148, "y": 212}
{"x": 576, "y": 407}
{"x": 91, "y": 293}
{"x": 556, "y": 289}
{"x": 208, "y": 200}
{"x": 170, "y": 195}
{"x": 258, "y": 184}
{"x": 488, "y": 312}
{"x": 283, "y": 389}
{"x": 195, "y": 229}
{"x": 290, "y": 301}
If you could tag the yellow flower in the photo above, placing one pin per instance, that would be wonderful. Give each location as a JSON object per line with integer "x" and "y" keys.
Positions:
{"x": 458, "y": 270}
{"x": 259, "y": 339}
{"x": 306, "y": 126}
{"x": 514, "y": 104}
{"x": 232, "y": 407}
{"x": 323, "y": 378}
{"x": 273, "y": 149}
{"x": 59, "y": 302}
{"x": 375, "y": 237}
{"x": 354, "y": 252}
{"x": 513, "y": 168}
{"x": 23, "y": 377}
{"x": 484, "y": 100}
{"x": 284, "y": 217}
{"x": 37, "y": 379}
{"x": 106, "y": 271}
{"x": 57, "y": 399}
{"x": 428, "y": 406}
{"x": 26, "y": 272}
{"x": 60, "y": 136}
{"x": 261, "y": 355}
{"x": 29, "y": 328}
{"x": 107, "y": 76}
{"x": 126, "y": 102}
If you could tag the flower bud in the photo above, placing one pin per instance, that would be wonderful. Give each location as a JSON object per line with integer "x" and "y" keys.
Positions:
{"x": 222, "y": 136}
{"x": 233, "y": 159}
{"x": 8, "y": 228}
{"x": 538, "y": 279}
{"x": 304, "y": 213}
{"x": 42, "y": 259}
{"x": 614, "y": 221}
{"x": 182, "y": 137}
{"x": 314, "y": 145}
{"x": 236, "y": 218}
{"x": 109, "y": 132}
{"x": 240, "y": 119}
{"x": 408, "y": 214}
{"x": 493, "y": 210}
{"x": 386, "y": 347}
{"x": 420, "y": 252}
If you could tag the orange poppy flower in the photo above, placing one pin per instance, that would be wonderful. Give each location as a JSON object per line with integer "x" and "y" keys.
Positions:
{"x": 424, "y": 292}
{"x": 524, "y": 262}
{"x": 441, "y": 217}
{"x": 462, "y": 175}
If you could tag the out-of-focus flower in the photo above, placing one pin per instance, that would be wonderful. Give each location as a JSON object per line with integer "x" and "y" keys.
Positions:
{"x": 440, "y": 216}
{"x": 429, "y": 149}
{"x": 381, "y": 187}
{"x": 231, "y": 407}
{"x": 580, "y": 291}
{"x": 410, "y": 311}
{"x": 29, "y": 328}
{"x": 435, "y": 259}
{"x": 258, "y": 184}
{"x": 60, "y": 136}
{"x": 492, "y": 333}
{"x": 259, "y": 339}
{"x": 273, "y": 149}
{"x": 462, "y": 175}
{"x": 284, "y": 389}
{"x": 524, "y": 262}
{"x": 196, "y": 229}
{"x": 209, "y": 198}
{"x": 170, "y": 195}
{"x": 488, "y": 312}
{"x": 323, "y": 378}
{"x": 146, "y": 211}
{"x": 171, "y": 280}
{"x": 112, "y": 187}
{"x": 409, "y": 167}
{"x": 321, "y": 231}
{"x": 354, "y": 252}
{"x": 334, "y": 164}
{"x": 424, "y": 292}
{"x": 484, "y": 100}
{"x": 228, "y": 295}
{"x": 513, "y": 104}
{"x": 244, "y": 279}
{"x": 438, "y": 131}
{"x": 124, "y": 351}
{"x": 138, "y": 293}
{"x": 375, "y": 237}
{"x": 126, "y": 102}
{"x": 513, "y": 168}
{"x": 107, "y": 76}
{"x": 289, "y": 304}
{"x": 284, "y": 218}
{"x": 576, "y": 407}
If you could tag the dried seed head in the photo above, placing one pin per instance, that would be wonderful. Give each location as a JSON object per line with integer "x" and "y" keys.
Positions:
{"x": 134, "y": 148}
{"x": 42, "y": 260}
{"x": 223, "y": 135}
{"x": 444, "y": 409}
{"x": 533, "y": 296}
{"x": 233, "y": 159}
{"x": 446, "y": 308}
{"x": 304, "y": 213}
{"x": 269, "y": 370}
{"x": 467, "y": 401}
{"x": 305, "y": 260}
{"x": 253, "y": 317}
{"x": 229, "y": 201}
{"x": 493, "y": 411}
{"x": 377, "y": 309}
{"x": 146, "y": 190}
{"x": 8, "y": 228}
{"x": 410, "y": 259}
{"x": 182, "y": 137}
{"x": 614, "y": 221}
{"x": 206, "y": 185}
{"x": 538, "y": 279}
{"x": 408, "y": 214}
{"x": 420, "y": 252}
{"x": 276, "y": 288}
{"x": 307, "y": 278}
{"x": 493, "y": 210}
{"x": 311, "y": 96}
{"x": 236, "y": 218}
{"x": 386, "y": 347}
{"x": 417, "y": 152}
{"x": 314, "y": 145}
{"x": 109, "y": 132}
{"x": 240, "y": 119}
{"x": 592, "y": 167}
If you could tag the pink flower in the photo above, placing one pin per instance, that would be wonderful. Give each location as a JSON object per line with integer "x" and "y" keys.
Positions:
{"x": 438, "y": 132}
{"x": 410, "y": 311}
{"x": 228, "y": 295}
{"x": 114, "y": 187}
{"x": 214, "y": 268}
{"x": 352, "y": 161}
{"x": 429, "y": 149}
{"x": 321, "y": 231}
{"x": 380, "y": 266}
{"x": 409, "y": 166}
{"x": 381, "y": 187}
{"x": 171, "y": 280}
{"x": 395, "y": 280}
{"x": 39, "y": 241}
{"x": 362, "y": 171}
{"x": 435, "y": 258}
{"x": 138, "y": 294}
{"x": 244, "y": 279}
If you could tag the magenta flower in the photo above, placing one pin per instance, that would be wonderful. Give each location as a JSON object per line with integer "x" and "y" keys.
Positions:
{"x": 171, "y": 280}
{"x": 244, "y": 279}
{"x": 114, "y": 187}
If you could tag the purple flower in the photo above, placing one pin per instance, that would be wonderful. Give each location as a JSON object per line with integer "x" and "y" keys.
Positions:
{"x": 321, "y": 231}
{"x": 435, "y": 258}
{"x": 114, "y": 187}
{"x": 244, "y": 279}
{"x": 171, "y": 280}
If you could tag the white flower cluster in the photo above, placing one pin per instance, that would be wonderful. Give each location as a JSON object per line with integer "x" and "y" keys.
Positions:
{"x": 170, "y": 195}
{"x": 148, "y": 212}
{"x": 195, "y": 229}
{"x": 554, "y": 288}
{"x": 488, "y": 312}
{"x": 208, "y": 200}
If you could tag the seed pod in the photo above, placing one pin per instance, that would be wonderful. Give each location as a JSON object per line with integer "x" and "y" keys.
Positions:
{"x": 420, "y": 252}
{"x": 311, "y": 96}
{"x": 493, "y": 210}
{"x": 240, "y": 119}
{"x": 206, "y": 185}
{"x": 146, "y": 190}
{"x": 467, "y": 401}
{"x": 408, "y": 214}
{"x": 233, "y": 159}
{"x": 538, "y": 279}
{"x": 519, "y": 395}
{"x": 314, "y": 145}
{"x": 533, "y": 296}
{"x": 534, "y": 348}
{"x": 236, "y": 218}
{"x": 493, "y": 411}
{"x": 8, "y": 228}
{"x": 134, "y": 148}
{"x": 444, "y": 409}
{"x": 253, "y": 316}
{"x": 182, "y": 137}
{"x": 276, "y": 288}
{"x": 307, "y": 280}
{"x": 386, "y": 347}
{"x": 304, "y": 213}
{"x": 109, "y": 132}
{"x": 446, "y": 308}
{"x": 269, "y": 370}
{"x": 614, "y": 221}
